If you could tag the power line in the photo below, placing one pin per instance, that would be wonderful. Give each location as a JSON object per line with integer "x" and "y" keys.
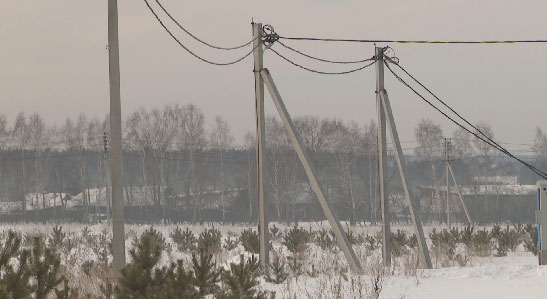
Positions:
{"x": 414, "y": 41}
{"x": 322, "y": 59}
{"x": 197, "y": 38}
{"x": 322, "y": 72}
{"x": 493, "y": 143}
{"x": 498, "y": 147}
{"x": 190, "y": 51}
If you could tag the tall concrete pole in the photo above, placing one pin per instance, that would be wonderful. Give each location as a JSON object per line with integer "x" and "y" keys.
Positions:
{"x": 447, "y": 158}
{"x": 118, "y": 231}
{"x": 382, "y": 160}
{"x": 264, "y": 253}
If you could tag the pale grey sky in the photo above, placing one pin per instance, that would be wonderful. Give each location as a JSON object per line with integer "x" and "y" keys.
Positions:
{"x": 53, "y": 59}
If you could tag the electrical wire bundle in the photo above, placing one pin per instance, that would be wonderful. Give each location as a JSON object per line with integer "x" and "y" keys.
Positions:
{"x": 196, "y": 38}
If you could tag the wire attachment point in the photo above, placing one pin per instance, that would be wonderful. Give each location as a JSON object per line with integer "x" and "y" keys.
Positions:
{"x": 269, "y": 37}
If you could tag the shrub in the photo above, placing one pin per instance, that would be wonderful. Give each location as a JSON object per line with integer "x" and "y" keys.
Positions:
{"x": 210, "y": 241}
{"x": 185, "y": 240}
{"x": 241, "y": 281}
{"x": 250, "y": 241}
{"x": 399, "y": 243}
{"x": 324, "y": 239}
{"x": 531, "y": 239}
{"x": 275, "y": 233}
{"x": 466, "y": 235}
{"x": 482, "y": 243}
{"x": 508, "y": 240}
{"x": 141, "y": 278}
{"x": 278, "y": 270}
{"x": 205, "y": 273}
{"x": 57, "y": 237}
{"x": 230, "y": 244}
{"x": 296, "y": 240}
{"x": 372, "y": 243}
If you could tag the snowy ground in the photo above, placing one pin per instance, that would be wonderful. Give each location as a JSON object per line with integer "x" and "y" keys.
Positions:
{"x": 514, "y": 276}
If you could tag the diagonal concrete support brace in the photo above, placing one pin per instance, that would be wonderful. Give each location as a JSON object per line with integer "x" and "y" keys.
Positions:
{"x": 308, "y": 168}
{"x": 414, "y": 213}
{"x": 541, "y": 220}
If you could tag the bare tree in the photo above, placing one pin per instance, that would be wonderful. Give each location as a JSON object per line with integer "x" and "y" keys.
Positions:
{"x": 192, "y": 138}
{"x": 315, "y": 132}
{"x": 281, "y": 166}
{"x": 40, "y": 138}
{"x": 20, "y": 134}
{"x": 482, "y": 147}
{"x": 75, "y": 138}
{"x": 347, "y": 147}
{"x": 429, "y": 137}
{"x": 4, "y": 135}
{"x": 154, "y": 132}
{"x": 221, "y": 138}
{"x": 463, "y": 143}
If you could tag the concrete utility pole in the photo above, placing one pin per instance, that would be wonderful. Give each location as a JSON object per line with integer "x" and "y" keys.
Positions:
{"x": 382, "y": 160}
{"x": 264, "y": 253}
{"x": 414, "y": 213}
{"x": 447, "y": 148}
{"x": 541, "y": 220}
{"x": 118, "y": 231}
{"x": 449, "y": 172}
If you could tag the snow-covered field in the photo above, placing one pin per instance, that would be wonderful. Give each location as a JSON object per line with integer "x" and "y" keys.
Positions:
{"x": 516, "y": 275}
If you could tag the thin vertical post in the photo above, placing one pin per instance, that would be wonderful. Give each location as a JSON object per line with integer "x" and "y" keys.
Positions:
{"x": 414, "y": 213}
{"x": 258, "y": 52}
{"x": 382, "y": 160}
{"x": 118, "y": 230}
{"x": 298, "y": 146}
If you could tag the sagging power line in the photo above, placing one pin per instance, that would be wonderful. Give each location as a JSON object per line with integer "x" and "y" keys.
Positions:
{"x": 483, "y": 138}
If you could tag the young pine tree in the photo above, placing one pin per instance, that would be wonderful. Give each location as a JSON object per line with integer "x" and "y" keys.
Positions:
{"x": 141, "y": 278}
{"x": 206, "y": 275}
{"x": 241, "y": 281}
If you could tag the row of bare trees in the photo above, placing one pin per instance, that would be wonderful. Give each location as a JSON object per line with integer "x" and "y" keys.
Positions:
{"x": 171, "y": 150}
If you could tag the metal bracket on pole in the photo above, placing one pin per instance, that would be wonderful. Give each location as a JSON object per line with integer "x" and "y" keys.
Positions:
{"x": 541, "y": 220}
{"x": 263, "y": 231}
{"x": 414, "y": 213}
{"x": 310, "y": 173}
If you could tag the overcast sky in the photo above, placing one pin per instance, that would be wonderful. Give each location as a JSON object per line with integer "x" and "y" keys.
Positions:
{"x": 53, "y": 60}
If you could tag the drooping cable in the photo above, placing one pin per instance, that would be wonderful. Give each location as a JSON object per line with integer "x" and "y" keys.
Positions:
{"x": 497, "y": 145}
{"x": 414, "y": 41}
{"x": 190, "y": 51}
{"x": 322, "y": 59}
{"x": 197, "y": 38}
{"x": 322, "y": 72}
{"x": 494, "y": 145}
